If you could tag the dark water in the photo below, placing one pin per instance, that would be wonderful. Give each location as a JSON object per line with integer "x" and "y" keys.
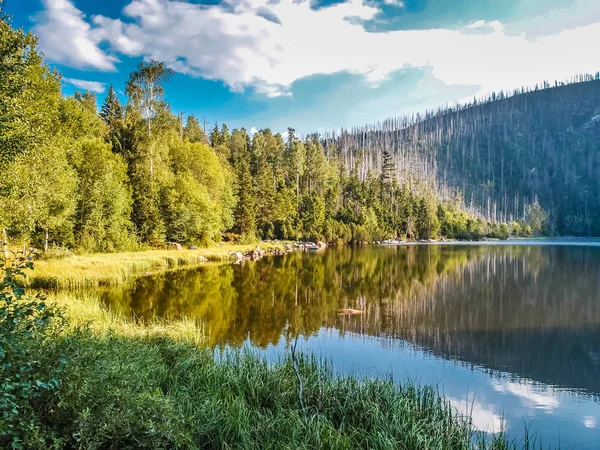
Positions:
{"x": 509, "y": 332}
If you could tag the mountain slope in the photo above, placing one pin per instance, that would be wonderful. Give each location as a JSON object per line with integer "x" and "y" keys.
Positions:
{"x": 503, "y": 154}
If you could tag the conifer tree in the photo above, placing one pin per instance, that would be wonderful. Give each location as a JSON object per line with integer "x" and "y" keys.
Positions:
{"x": 111, "y": 112}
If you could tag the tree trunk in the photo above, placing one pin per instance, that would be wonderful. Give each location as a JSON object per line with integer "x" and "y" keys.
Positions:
{"x": 46, "y": 241}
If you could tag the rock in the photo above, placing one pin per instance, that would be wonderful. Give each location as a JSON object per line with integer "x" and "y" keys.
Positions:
{"x": 193, "y": 247}
{"x": 238, "y": 255}
{"x": 203, "y": 259}
{"x": 288, "y": 248}
{"x": 350, "y": 311}
{"x": 321, "y": 244}
{"x": 174, "y": 246}
{"x": 252, "y": 255}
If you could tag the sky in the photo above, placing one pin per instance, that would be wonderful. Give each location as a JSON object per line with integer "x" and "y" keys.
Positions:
{"x": 315, "y": 65}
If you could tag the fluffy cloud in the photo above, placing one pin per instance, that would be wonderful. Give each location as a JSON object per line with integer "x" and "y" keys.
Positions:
{"x": 66, "y": 37}
{"x": 396, "y": 3}
{"x": 483, "y": 417}
{"x": 267, "y": 46}
{"x": 93, "y": 86}
{"x": 530, "y": 394}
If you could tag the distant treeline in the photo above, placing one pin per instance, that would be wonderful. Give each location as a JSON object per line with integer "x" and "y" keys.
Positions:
{"x": 135, "y": 174}
{"x": 504, "y": 153}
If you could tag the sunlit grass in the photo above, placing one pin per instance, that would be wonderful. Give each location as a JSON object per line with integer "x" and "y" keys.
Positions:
{"x": 109, "y": 269}
{"x": 85, "y": 310}
{"x": 155, "y": 385}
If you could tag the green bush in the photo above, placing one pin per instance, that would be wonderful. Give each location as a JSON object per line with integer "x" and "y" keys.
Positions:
{"x": 25, "y": 384}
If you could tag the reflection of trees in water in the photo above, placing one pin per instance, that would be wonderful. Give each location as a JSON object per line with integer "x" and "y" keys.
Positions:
{"x": 530, "y": 311}
{"x": 509, "y": 308}
{"x": 296, "y": 293}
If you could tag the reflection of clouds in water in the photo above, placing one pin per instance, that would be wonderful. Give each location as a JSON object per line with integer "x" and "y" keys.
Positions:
{"x": 590, "y": 421}
{"x": 526, "y": 392}
{"x": 483, "y": 417}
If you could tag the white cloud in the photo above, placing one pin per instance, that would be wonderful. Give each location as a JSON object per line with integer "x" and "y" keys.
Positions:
{"x": 528, "y": 393}
{"x": 396, "y": 3}
{"x": 94, "y": 86}
{"x": 236, "y": 44}
{"x": 483, "y": 418}
{"x": 590, "y": 422}
{"x": 66, "y": 37}
{"x": 483, "y": 26}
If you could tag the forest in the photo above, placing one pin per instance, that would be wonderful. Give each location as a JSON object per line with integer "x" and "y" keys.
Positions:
{"x": 122, "y": 176}
{"x": 504, "y": 153}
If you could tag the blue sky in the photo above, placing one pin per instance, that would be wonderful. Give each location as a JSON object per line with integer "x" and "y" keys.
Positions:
{"x": 317, "y": 65}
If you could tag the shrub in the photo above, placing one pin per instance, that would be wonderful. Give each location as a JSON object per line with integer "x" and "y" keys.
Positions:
{"x": 25, "y": 322}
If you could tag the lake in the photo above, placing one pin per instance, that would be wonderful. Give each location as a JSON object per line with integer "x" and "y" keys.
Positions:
{"x": 508, "y": 331}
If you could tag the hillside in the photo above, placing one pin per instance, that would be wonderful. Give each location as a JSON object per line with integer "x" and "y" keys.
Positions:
{"x": 502, "y": 153}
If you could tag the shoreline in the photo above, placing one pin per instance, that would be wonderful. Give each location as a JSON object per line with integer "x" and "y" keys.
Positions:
{"x": 110, "y": 269}
{"x": 166, "y": 384}
{"x": 534, "y": 241}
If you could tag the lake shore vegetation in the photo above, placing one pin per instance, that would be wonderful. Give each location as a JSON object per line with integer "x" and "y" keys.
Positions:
{"x": 59, "y": 268}
{"x": 82, "y": 377}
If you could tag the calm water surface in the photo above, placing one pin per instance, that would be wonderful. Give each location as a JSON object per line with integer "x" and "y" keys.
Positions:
{"x": 510, "y": 333}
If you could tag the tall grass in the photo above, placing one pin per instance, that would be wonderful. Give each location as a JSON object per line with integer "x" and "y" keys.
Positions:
{"x": 128, "y": 385}
{"x": 109, "y": 269}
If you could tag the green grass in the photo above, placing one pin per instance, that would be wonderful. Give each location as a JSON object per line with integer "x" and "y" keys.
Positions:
{"x": 134, "y": 386}
{"x": 153, "y": 392}
{"x": 109, "y": 269}
{"x": 128, "y": 385}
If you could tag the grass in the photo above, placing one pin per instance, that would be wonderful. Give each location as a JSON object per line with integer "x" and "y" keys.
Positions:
{"x": 127, "y": 385}
{"x": 109, "y": 269}
{"x": 134, "y": 386}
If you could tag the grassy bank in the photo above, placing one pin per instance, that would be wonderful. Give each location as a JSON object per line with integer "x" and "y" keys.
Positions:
{"x": 131, "y": 386}
{"x": 123, "y": 385}
{"x": 108, "y": 269}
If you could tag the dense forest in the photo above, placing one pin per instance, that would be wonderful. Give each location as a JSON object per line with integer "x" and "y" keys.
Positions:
{"x": 134, "y": 174}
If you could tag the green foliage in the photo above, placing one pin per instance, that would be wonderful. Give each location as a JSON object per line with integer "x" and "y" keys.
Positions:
{"x": 201, "y": 196}
{"x": 193, "y": 132}
{"x": 29, "y": 94}
{"x": 38, "y": 191}
{"x": 27, "y": 387}
{"x": 112, "y": 112}
{"x": 153, "y": 392}
{"x": 537, "y": 219}
{"x": 146, "y": 91}
{"x": 104, "y": 206}
{"x": 312, "y": 216}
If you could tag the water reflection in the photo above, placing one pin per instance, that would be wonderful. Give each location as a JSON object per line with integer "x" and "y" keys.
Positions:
{"x": 520, "y": 325}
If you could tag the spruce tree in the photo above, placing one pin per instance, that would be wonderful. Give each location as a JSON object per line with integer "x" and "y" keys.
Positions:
{"x": 111, "y": 111}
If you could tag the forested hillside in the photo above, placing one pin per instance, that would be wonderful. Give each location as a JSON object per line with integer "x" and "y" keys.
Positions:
{"x": 132, "y": 173}
{"x": 503, "y": 153}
